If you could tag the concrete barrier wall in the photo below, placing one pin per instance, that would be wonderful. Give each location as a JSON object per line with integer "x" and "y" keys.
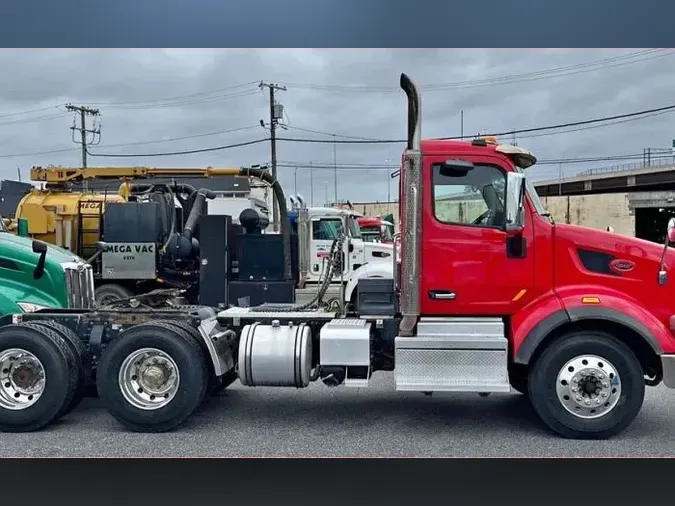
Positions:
{"x": 595, "y": 211}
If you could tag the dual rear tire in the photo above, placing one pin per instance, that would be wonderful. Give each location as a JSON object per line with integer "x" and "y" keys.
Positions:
{"x": 42, "y": 375}
{"x": 153, "y": 377}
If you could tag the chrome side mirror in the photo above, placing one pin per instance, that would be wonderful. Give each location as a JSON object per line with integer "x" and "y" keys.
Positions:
{"x": 515, "y": 202}
{"x": 670, "y": 232}
{"x": 670, "y": 238}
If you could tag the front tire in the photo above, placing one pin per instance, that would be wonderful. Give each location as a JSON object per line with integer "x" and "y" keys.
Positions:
{"x": 153, "y": 377}
{"x": 587, "y": 385}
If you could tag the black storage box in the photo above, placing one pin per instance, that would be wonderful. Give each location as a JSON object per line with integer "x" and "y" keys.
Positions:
{"x": 214, "y": 253}
{"x": 132, "y": 222}
{"x": 255, "y": 293}
{"x": 376, "y": 297}
{"x": 261, "y": 257}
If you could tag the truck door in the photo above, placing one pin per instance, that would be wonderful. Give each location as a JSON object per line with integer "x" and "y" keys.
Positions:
{"x": 470, "y": 265}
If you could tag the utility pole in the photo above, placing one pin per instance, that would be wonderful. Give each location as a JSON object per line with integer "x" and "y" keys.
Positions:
{"x": 95, "y": 131}
{"x": 560, "y": 178}
{"x": 335, "y": 169}
{"x": 276, "y": 113}
{"x": 461, "y": 126}
{"x": 311, "y": 184}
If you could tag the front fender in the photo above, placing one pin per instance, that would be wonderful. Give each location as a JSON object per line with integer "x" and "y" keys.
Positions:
{"x": 533, "y": 323}
{"x": 369, "y": 270}
{"x": 536, "y": 321}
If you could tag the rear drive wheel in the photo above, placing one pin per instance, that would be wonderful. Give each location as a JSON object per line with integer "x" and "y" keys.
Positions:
{"x": 38, "y": 377}
{"x": 79, "y": 350}
{"x": 105, "y": 294}
{"x": 216, "y": 383}
{"x": 153, "y": 377}
{"x": 587, "y": 385}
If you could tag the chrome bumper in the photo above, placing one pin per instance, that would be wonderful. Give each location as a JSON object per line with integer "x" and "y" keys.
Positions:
{"x": 668, "y": 366}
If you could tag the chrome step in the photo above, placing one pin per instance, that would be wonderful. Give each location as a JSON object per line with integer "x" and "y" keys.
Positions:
{"x": 453, "y": 355}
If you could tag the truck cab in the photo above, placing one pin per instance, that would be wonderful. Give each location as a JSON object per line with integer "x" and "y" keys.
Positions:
{"x": 375, "y": 229}
{"x": 324, "y": 226}
{"x": 35, "y": 276}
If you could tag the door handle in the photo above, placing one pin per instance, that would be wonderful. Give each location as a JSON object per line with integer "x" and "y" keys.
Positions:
{"x": 441, "y": 295}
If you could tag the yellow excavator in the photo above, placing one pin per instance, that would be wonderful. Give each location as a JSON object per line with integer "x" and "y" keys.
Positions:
{"x": 139, "y": 237}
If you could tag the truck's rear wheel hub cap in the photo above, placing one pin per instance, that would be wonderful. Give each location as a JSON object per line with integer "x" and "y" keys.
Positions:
{"x": 588, "y": 386}
{"x": 22, "y": 379}
{"x": 149, "y": 378}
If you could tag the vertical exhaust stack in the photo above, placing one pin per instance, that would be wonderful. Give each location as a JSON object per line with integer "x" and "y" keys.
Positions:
{"x": 411, "y": 212}
{"x": 304, "y": 241}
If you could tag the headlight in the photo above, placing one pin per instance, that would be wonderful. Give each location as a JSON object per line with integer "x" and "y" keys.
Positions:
{"x": 29, "y": 307}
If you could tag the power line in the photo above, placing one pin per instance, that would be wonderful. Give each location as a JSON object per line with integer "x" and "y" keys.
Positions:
{"x": 185, "y": 137}
{"x": 319, "y": 132}
{"x": 46, "y": 117}
{"x": 174, "y": 98}
{"x": 123, "y": 144}
{"x": 206, "y": 100}
{"x": 607, "y": 120}
{"x": 552, "y": 161}
{"x": 558, "y": 126}
{"x": 610, "y": 62}
{"x": 173, "y": 153}
{"x": 204, "y": 96}
{"x": 29, "y": 111}
{"x": 35, "y": 153}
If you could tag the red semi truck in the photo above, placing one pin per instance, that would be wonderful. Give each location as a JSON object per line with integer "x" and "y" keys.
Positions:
{"x": 489, "y": 295}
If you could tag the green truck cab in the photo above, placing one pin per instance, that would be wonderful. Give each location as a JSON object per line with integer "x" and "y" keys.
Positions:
{"x": 34, "y": 276}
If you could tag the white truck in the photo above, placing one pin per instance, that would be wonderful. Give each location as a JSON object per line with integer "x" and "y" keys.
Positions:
{"x": 317, "y": 229}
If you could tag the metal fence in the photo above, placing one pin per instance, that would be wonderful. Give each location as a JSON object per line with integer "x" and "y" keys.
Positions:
{"x": 661, "y": 161}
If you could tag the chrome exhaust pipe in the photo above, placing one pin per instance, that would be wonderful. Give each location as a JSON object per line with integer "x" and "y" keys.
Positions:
{"x": 411, "y": 213}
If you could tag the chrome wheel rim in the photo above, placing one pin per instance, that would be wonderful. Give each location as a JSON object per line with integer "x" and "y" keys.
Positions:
{"x": 22, "y": 379}
{"x": 588, "y": 386}
{"x": 149, "y": 378}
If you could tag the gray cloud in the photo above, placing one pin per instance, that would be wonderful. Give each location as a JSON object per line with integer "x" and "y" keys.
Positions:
{"x": 135, "y": 90}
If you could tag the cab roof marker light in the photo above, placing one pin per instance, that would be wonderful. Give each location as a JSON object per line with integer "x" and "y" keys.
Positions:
{"x": 521, "y": 157}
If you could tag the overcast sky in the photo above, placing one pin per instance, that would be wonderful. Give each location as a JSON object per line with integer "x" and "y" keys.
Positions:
{"x": 151, "y": 95}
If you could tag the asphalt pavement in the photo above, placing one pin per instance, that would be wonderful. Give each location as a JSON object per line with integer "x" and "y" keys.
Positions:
{"x": 375, "y": 421}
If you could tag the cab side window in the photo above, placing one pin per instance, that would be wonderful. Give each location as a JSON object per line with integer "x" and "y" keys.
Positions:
{"x": 326, "y": 229}
{"x": 473, "y": 198}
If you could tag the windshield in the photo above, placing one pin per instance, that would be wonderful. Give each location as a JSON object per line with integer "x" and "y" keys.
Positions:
{"x": 370, "y": 234}
{"x": 534, "y": 196}
{"x": 354, "y": 229}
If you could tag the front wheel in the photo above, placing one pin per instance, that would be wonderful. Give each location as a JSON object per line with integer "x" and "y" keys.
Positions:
{"x": 587, "y": 385}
